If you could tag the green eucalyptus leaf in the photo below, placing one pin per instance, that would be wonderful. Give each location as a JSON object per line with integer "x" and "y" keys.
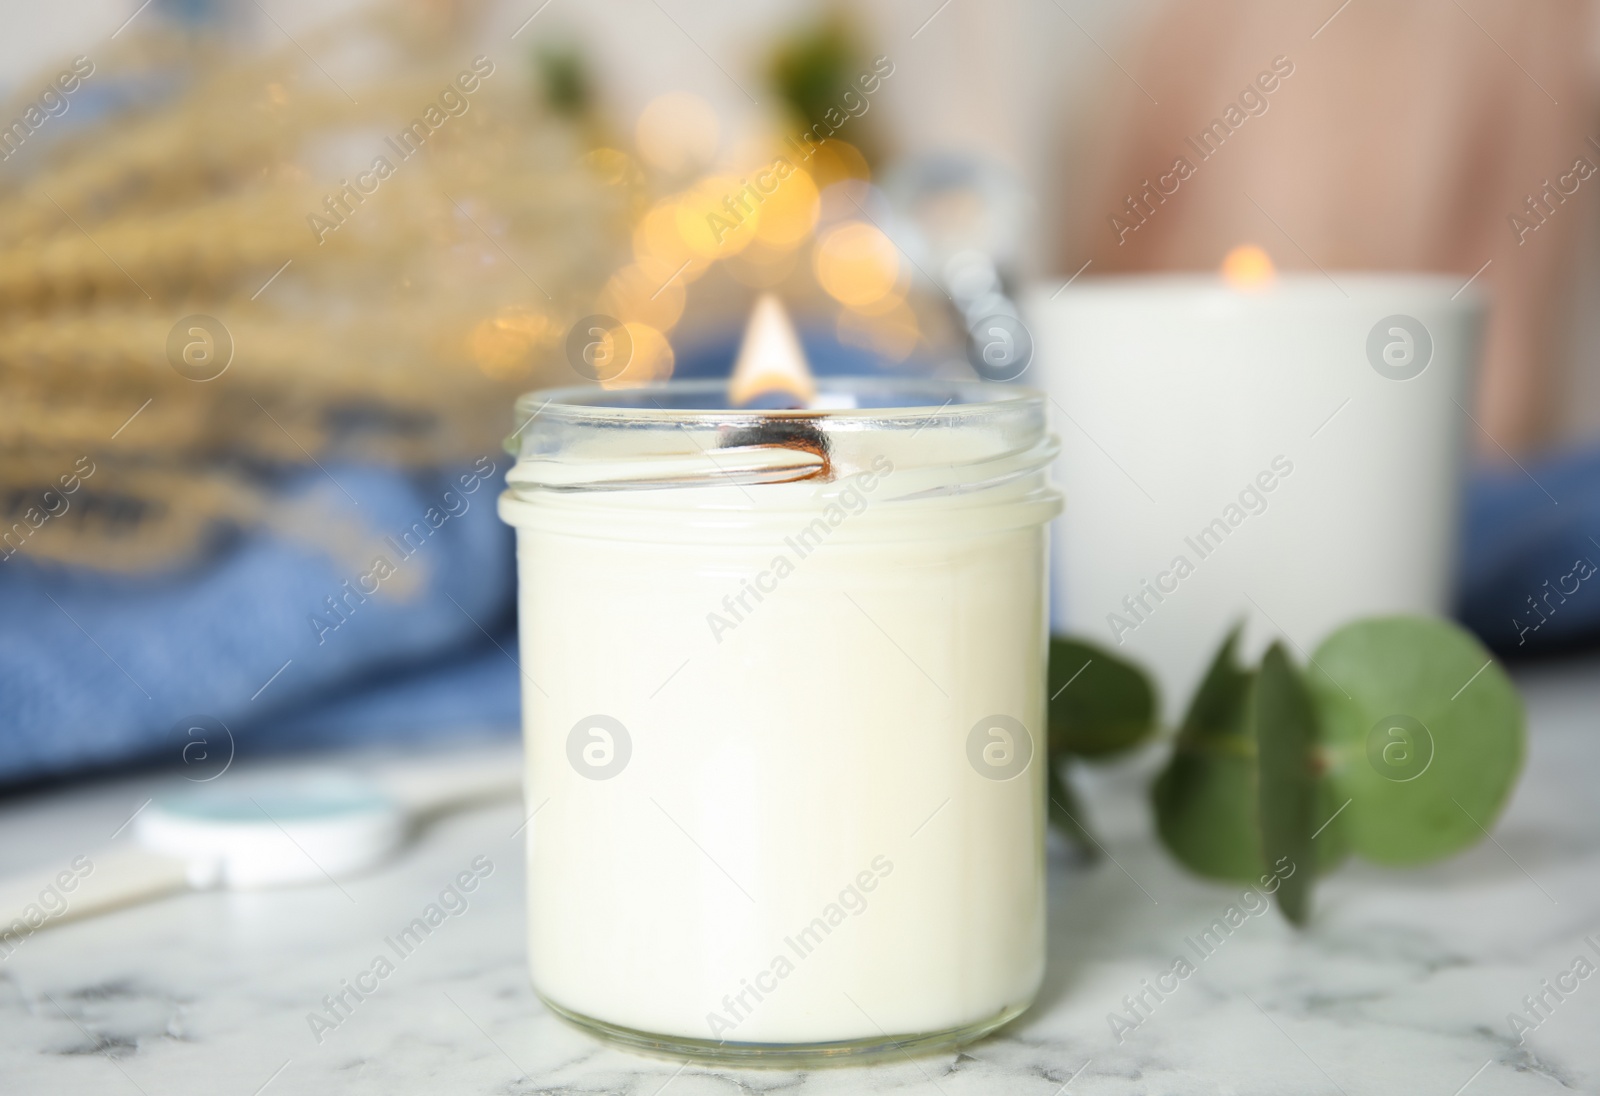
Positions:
{"x": 1218, "y": 707}
{"x": 1205, "y": 799}
{"x": 1285, "y": 724}
{"x": 1099, "y": 704}
{"x": 1205, "y": 803}
{"x": 1423, "y": 733}
{"x": 1329, "y": 839}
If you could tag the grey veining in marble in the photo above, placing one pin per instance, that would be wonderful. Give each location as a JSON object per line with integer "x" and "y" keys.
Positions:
{"x": 1403, "y": 983}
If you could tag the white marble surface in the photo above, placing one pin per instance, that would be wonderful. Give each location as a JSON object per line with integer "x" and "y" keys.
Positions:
{"x": 1402, "y": 984}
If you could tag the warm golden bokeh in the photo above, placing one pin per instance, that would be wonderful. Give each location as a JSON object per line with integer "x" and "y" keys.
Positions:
{"x": 760, "y": 225}
{"x": 788, "y": 215}
{"x": 707, "y": 225}
{"x": 651, "y": 358}
{"x": 656, "y": 238}
{"x": 856, "y": 264}
{"x": 648, "y": 291}
{"x": 503, "y": 345}
{"x": 1247, "y": 267}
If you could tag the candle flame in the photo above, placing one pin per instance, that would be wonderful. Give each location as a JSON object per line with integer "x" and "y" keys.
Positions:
{"x": 1247, "y": 267}
{"x": 771, "y": 361}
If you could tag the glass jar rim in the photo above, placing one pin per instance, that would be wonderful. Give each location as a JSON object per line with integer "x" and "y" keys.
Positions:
{"x": 706, "y": 402}
{"x": 682, "y": 433}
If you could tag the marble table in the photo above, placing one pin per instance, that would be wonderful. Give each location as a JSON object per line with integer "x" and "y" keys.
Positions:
{"x": 1403, "y": 983}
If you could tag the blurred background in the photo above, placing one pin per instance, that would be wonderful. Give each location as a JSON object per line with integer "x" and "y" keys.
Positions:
{"x": 271, "y": 274}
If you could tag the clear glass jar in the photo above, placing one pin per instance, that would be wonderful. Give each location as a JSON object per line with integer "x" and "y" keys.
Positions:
{"x": 784, "y": 703}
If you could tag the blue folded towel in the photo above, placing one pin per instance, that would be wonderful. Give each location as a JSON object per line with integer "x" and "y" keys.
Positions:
{"x": 1531, "y": 555}
{"x": 98, "y": 669}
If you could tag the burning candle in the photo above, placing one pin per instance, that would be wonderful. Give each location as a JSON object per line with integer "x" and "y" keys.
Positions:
{"x": 1284, "y": 450}
{"x": 784, "y": 708}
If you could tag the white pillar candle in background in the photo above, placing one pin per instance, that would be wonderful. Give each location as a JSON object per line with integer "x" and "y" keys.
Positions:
{"x": 784, "y": 713}
{"x": 1289, "y": 454}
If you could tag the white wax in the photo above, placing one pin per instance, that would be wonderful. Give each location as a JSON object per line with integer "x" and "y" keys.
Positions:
{"x": 808, "y": 761}
{"x": 1181, "y": 402}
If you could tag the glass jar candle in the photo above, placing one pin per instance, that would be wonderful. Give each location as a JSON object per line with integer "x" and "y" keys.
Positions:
{"x": 784, "y": 706}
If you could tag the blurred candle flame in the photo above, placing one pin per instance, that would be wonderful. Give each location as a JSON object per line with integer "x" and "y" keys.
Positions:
{"x": 1248, "y": 267}
{"x": 772, "y": 363}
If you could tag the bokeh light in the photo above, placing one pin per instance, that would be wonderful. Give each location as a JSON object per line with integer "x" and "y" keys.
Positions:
{"x": 788, "y": 214}
{"x": 502, "y": 345}
{"x": 711, "y": 220}
{"x": 856, "y": 264}
{"x": 656, "y": 237}
{"x": 1247, "y": 267}
{"x": 649, "y": 291}
{"x": 652, "y": 358}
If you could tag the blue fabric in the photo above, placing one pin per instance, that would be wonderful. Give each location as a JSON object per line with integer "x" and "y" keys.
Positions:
{"x": 1530, "y": 581}
{"x": 97, "y": 669}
